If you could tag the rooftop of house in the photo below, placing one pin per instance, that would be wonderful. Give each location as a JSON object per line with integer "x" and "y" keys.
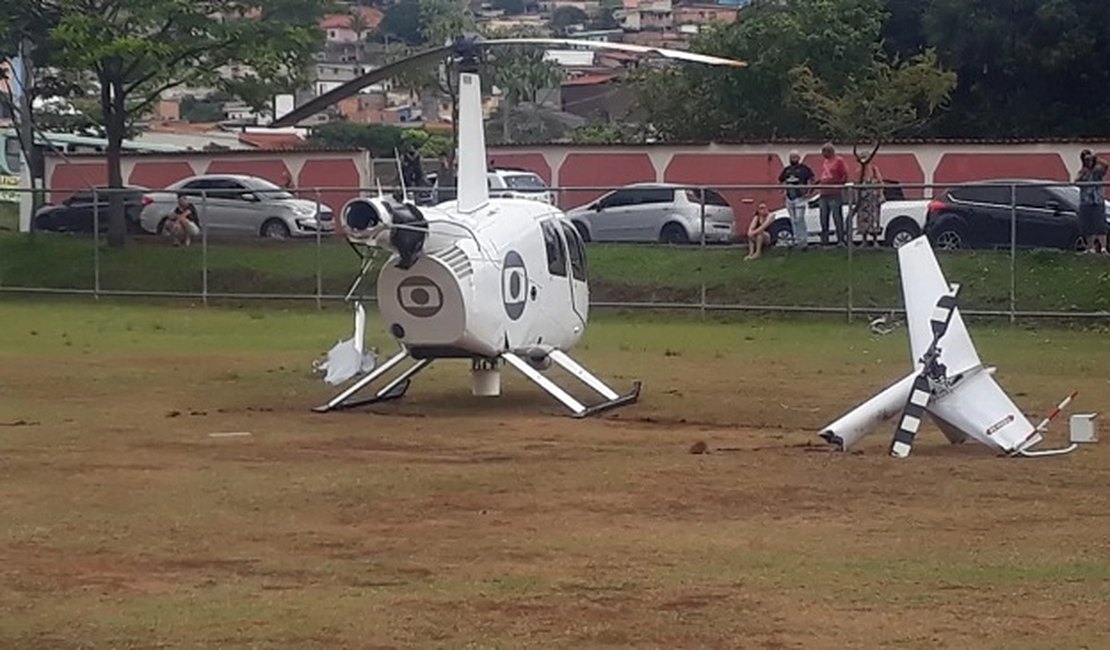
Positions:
{"x": 371, "y": 18}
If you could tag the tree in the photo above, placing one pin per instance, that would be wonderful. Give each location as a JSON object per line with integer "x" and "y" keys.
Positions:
{"x": 520, "y": 72}
{"x": 382, "y": 140}
{"x": 878, "y": 102}
{"x": 137, "y": 49}
{"x": 568, "y": 16}
{"x": 1026, "y": 67}
{"x": 606, "y": 15}
{"x": 834, "y": 37}
{"x": 402, "y": 20}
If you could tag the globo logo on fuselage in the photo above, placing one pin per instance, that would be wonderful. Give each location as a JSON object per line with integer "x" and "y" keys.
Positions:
{"x": 419, "y": 296}
{"x": 514, "y": 285}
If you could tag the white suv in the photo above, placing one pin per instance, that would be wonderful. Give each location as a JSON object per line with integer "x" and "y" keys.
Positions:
{"x": 503, "y": 184}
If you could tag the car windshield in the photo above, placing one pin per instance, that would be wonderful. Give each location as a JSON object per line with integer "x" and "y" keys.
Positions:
{"x": 525, "y": 182}
{"x": 267, "y": 190}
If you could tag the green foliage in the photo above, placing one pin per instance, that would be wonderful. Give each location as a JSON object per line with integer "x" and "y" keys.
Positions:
{"x": 878, "y": 101}
{"x": 434, "y": 145}
{"x": 380, "y": 139}
{"x": 833, "y": 37}
{"x": 614, "y": 133}
{"x": 1026, "y": 67}
{"x": 201, "y": 110}
{"x": 401, "y": 20}
{"x": 566, "y": 16}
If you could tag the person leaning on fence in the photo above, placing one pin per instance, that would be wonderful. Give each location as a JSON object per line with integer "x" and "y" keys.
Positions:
{"x": 834, "y": 175}
{"x": 446, "y": 179}
{"x": 796, "y": 177}
{"x": 182, "y": 224}
{"x": 1092, "y": 201}
{"x": 758, "y": 237}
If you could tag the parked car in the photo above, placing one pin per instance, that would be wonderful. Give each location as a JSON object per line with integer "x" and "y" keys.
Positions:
{"x": 238, "y": 205}
{"x": 978, "y": 215}
{"x": 661, "y": 212}
{"x": 503, "y": 183}
{"x": 902, "y": 220}
{"x": 83, "y": 208}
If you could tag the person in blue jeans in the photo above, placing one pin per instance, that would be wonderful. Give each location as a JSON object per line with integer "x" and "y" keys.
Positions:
{"x": 834, "y": 175}
{"x": 796, "y": 177}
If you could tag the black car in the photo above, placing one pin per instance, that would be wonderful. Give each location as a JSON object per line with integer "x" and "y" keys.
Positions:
{"x": 83, "y": 207}
{"x": 979, "y": 215}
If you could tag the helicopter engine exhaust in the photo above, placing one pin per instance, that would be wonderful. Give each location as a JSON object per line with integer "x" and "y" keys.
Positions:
{"x": 364, "y": 219}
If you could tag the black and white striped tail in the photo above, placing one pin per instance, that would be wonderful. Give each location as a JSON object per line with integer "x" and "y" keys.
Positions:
{"x": 942, "y": 316}
{"x": 912, "y": 415}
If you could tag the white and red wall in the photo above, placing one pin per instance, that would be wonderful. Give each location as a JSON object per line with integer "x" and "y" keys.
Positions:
{"x": 343, "y": 172}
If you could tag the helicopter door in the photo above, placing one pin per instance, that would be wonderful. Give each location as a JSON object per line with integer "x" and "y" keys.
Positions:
{"x": 576, "y": 251}
{"x": 559, "y": 305}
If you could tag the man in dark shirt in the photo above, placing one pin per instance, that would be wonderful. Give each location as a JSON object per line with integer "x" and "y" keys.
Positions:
{"x": 182, "y": 224}
{"x": 796, "y": 176}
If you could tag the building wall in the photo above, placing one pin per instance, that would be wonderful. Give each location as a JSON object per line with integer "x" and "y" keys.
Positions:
{"x": 338, "y": 174}
{"x": 595, "y": 169}
{"x": 600, "y": 167}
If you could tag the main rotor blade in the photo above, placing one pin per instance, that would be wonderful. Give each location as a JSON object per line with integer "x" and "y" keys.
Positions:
{"x": 679, "y": 55}
{"x": 339, "y": 93}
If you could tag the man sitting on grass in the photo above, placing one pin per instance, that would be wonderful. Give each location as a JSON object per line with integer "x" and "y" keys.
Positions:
{"x": 182, "y": 223}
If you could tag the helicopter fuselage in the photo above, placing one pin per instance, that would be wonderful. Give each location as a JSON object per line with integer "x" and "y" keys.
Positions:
{"x": 510, "y": 276}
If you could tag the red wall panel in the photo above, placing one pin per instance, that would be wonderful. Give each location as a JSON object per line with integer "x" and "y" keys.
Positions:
{"x": 158, "y": 174}
{"x": 339, "y": 177}
{"x": 601, "y": 170}
{"x": 964, "y": 167}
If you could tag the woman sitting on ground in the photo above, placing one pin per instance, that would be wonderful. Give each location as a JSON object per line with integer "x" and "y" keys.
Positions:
{"x": 182, "y": 223}
{"x": 758, "y": 237}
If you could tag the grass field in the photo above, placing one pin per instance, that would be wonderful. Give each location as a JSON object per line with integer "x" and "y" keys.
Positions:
{"x": 451, "y": 521}
{"x": 1046, "y": 280}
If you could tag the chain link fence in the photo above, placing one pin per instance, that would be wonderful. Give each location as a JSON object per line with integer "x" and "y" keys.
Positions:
{"x": 1017, "y": 249}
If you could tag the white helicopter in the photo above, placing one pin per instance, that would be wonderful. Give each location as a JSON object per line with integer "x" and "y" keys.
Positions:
{"x": 493, "y": 280}
{"x": 950, "y": 384}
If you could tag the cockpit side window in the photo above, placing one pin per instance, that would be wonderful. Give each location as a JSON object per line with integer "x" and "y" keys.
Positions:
{"x": 556, "y": 250}
{"x": 577, "y": 252}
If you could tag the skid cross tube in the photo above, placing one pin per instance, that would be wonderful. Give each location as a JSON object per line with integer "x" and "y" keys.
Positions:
{"x": 393, "y": 390}
{"x": 579, "y": 410}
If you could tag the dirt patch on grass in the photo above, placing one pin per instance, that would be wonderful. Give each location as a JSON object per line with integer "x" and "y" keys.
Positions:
{"x": 446, "y": 520}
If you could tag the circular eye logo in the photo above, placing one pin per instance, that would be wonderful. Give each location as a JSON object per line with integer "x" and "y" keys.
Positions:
{"x": 420, "y": 297}
{"x": 514, "y": 284}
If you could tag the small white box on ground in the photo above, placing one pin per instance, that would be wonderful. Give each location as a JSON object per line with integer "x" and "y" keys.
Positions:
{"x": 1083, "y": 427}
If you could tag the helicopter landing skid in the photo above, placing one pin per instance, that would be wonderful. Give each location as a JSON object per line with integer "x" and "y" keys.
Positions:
{"x": 580, "y": 410}
{"x": 395, "y": 389}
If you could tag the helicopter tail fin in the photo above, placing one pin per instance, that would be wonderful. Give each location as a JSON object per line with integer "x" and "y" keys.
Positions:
{"x": 473, "y": 191}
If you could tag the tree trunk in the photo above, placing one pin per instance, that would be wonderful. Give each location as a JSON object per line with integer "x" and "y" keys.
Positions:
{"x": 112, "y": 102}
{"x": 26, "y": 122}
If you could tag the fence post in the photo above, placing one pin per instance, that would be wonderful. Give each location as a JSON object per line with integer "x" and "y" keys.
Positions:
{"x": 319, "y": 271}
{"x": 96, "y": 242}
{"x": 845, "y": 190}
{"x": 1013, "y": 253}
{"x": 204, "y": 247}
{"x": 702, "y": 252}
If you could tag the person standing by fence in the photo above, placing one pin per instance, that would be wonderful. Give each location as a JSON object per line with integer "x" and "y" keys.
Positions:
{"x": 797, "y": 176}
{"x": 869, "y": 205}
{"x": 834, "y": 175}
{"x": 1092, "y": 201}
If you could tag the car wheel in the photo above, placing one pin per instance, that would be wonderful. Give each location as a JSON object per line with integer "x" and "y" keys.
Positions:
{"x": 782, "y": 234}
{"x": 1079, "y": 243}
{"x": 161, "y": 230}
{"x": 275, "y": 229}
{"x": 901, "y": 232}
{"x": 583, "y": 232}
{"x": 949, "y": 238}
{"x": 673, "y": 233}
